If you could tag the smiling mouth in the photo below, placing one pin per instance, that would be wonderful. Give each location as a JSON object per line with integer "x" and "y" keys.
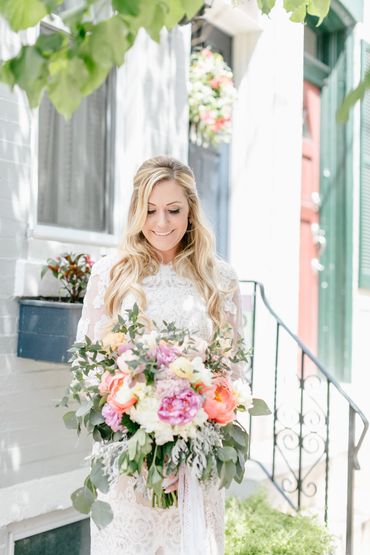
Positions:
{"x": 162, "y": 234}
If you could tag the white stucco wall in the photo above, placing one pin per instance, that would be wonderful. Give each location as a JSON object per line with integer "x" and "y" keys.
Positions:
{"x": 266, "y": 160}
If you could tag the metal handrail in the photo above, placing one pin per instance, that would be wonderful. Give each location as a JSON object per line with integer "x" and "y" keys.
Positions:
{"x": 353, "y": 447}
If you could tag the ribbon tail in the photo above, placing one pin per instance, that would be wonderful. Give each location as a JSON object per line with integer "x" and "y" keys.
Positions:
{"x": 192, "y": 515}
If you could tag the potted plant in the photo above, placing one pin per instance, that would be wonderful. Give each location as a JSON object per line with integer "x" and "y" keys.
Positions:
{"x": 47, "y": 325}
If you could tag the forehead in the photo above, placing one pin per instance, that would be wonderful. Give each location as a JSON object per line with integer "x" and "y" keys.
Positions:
{"x": 166, "y": 192}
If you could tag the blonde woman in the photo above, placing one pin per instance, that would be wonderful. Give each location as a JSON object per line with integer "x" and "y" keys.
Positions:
{"x": 167, "y": 264}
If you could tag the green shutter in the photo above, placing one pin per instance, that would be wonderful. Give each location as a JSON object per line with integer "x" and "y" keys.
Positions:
{"x": 364, "y": 265}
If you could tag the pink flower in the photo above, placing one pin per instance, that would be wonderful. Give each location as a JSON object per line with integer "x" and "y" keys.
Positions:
{"x": 105, "y": 384}
{"x": 180, "y": 408}
{"x": 112, "y": 418}
{"x": 165, "y": 353}
{"x": 125, "y": 347}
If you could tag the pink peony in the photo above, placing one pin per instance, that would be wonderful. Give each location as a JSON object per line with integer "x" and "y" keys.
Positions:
{"x": 180, "y": 408}
{"x": 112, "y": 418}
{"x": 165, "y": 353}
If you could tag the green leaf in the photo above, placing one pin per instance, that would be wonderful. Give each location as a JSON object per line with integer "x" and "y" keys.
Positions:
{"x": 130, "y": 425}
{"x": 101, "y": 513}
{"x": 82, "y": 499}
{"x": 30, "y": 72}
{"x": 175, "y": 12}
{"x": 226, "y": 474}
{"x": 319, "y": 8}
{"x": 191, "y": 7}
{"x": 47, "y": 44}
{"x": 84, "y": 408}
{"x": 98, "y": 477}
{"x": 21, "y": 14}
{"x": 227, "y": 454}
{"x": 96, "y": 418}
{"x": 6, "y": 74}
{"x": 352, "y": 97}
{"x": 70, "y": 420}
{"x": 238, "y": 435}
{"x": 259, "y": 408}
{"x": 266, "y": 5}
{"x": 108, "y": 42}
{"x": 64, "y": 87}
{"x": 127, "y": 7}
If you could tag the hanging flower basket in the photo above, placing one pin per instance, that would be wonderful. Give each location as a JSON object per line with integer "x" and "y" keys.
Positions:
{"x": 211, "y": 97}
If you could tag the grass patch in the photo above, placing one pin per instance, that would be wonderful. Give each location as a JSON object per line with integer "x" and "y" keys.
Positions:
{"x": 253, "y": 527}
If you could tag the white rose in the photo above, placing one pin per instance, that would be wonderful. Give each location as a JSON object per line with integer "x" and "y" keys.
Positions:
{"x": 243, "y": 394}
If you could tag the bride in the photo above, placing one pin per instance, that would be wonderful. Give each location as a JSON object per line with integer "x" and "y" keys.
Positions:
{"x": 167, "y": 264}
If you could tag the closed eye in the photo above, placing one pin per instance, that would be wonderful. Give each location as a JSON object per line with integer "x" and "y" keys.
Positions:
{"x": 176, "y": 211}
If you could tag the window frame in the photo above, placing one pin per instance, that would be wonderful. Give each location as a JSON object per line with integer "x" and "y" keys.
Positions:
{"x": 44, "y": 232}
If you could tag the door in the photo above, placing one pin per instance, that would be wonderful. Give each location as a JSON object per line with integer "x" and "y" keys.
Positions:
{"x": 312, "y": 239}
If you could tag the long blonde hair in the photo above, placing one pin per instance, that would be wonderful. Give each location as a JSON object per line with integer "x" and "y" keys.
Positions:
{"x": 196, "y": 257}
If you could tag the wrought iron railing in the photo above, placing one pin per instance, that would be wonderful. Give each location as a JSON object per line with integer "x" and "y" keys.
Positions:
{"x": 307, "y": 420}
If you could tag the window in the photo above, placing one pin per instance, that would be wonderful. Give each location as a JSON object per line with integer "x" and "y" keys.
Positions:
{"x": 71, "y": 539}
{"x": 75, "y": 163}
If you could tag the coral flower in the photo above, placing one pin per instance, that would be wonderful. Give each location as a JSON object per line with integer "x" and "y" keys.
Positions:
{"x": 220, "y": 402}
{"x": 120, "y": 395}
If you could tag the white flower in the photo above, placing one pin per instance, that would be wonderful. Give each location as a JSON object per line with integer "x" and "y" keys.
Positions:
{"x": 243, "y": 394}
{"x": 145, "y": 413}
{"x": 201, "y": 373}
{"x": 150, "y": 339}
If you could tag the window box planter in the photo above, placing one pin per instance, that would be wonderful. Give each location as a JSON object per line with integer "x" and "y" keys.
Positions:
{"x": 47, "y": 328}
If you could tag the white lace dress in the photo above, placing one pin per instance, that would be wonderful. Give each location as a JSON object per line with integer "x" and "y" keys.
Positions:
{"x": 137, "y": 528}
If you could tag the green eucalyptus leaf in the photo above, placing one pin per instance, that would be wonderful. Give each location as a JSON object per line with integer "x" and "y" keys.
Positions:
{"x": 99, "y": 478}
{"x": 259, "y": 408}
{"x": 227, "y": 454}
{"x": 70, "y": 420}
{"x": 82, "y": 499}
{"x": 239, "y": 435}
{"x": 101, "y": 513}
{"x": 96, "y": 418}
{"x": 84, "y": 408}
{"x": 226, "y": 474}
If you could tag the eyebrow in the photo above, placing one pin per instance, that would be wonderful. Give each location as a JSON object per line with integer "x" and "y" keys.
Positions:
{"x": 169, "y": 203}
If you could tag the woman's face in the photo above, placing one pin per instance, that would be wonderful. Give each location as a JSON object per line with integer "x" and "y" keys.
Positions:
{"x": 167, "y": 219}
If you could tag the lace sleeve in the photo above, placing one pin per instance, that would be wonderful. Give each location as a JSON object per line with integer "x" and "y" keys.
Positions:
{"x": 94, "y": 317}
{"x": 233, "y": 310}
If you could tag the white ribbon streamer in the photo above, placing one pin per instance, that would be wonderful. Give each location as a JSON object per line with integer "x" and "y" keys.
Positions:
{"x": 192, "y": 516}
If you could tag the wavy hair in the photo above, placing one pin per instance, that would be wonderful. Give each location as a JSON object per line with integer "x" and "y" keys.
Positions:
{"x": 195, "y": 259}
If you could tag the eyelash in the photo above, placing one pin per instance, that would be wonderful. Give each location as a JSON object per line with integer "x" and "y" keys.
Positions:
{"x": 177, "y": 211}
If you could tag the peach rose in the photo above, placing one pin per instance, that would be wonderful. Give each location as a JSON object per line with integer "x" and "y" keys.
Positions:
{"x": 220, "y": 402}
{"x": 106, "y": 380}
{"x": 114, "y": 340}
{"x": 121, "y": 396}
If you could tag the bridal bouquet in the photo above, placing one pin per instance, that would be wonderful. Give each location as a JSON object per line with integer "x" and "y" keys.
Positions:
{"x": 155, "y": 402}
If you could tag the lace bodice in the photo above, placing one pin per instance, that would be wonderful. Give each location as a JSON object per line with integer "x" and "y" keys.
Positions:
{"x": 170, "y": 297}
{"x": 137, "y": 528}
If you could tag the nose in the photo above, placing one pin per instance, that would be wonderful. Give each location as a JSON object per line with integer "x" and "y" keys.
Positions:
{"x": 162, "y": 218}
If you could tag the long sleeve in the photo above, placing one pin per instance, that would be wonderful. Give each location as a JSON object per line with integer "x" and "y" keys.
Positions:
{"x": 94, "y": 317}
